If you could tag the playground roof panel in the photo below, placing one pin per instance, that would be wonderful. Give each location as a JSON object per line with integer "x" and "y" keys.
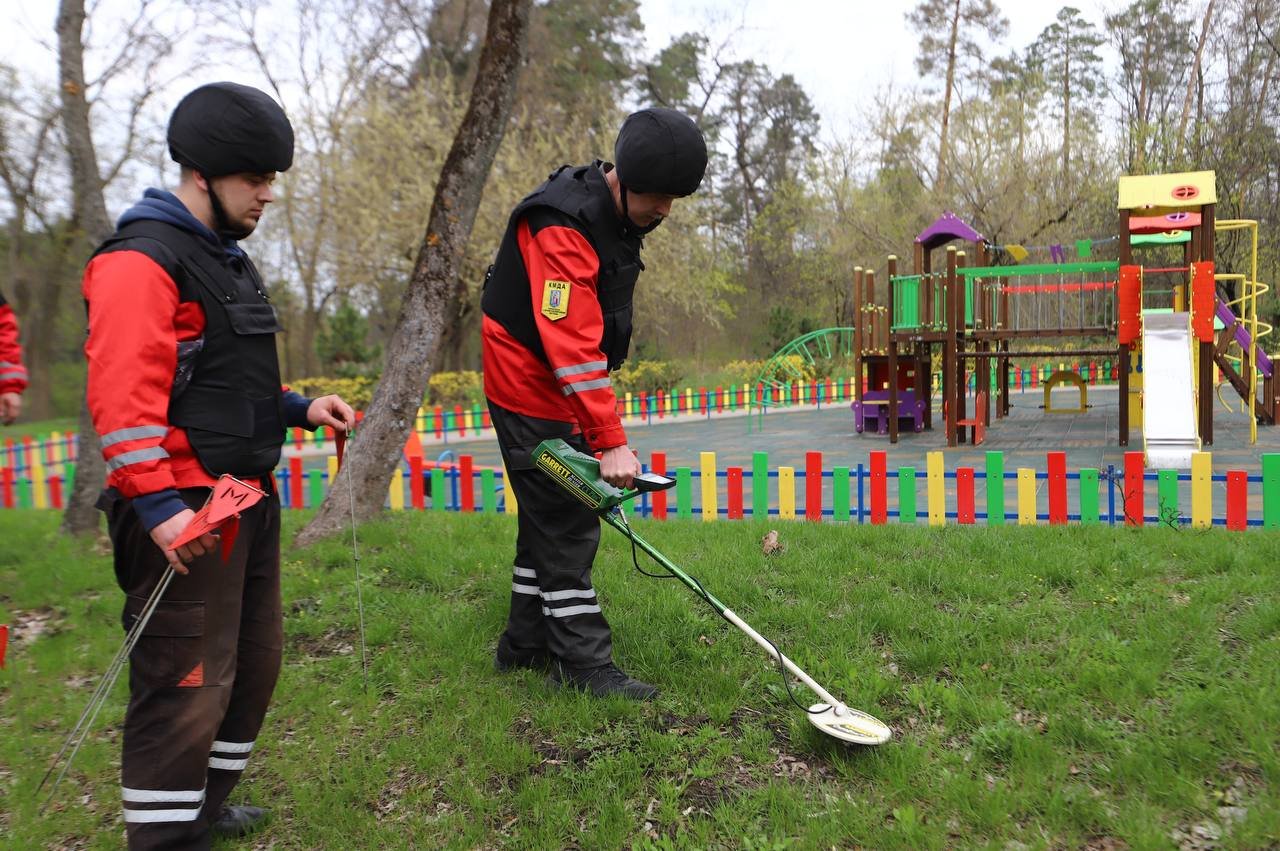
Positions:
{"x": 1177, "y": 191}
{"x": 947, "y": 227}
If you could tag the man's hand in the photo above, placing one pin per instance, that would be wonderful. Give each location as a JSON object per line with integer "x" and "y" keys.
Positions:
{"x": 168, "y": 531}
{"x": 618, "y": 466}
{"x": 331, "y": 411}
{"x": 10, "y": 407}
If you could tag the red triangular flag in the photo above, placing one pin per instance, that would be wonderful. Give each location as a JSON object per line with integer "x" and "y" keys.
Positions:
{"x": 230, "y": 528}
{"x": 198, "y": 526}
{"x": 340, "y": 444}
{"x": 230, "y": 497}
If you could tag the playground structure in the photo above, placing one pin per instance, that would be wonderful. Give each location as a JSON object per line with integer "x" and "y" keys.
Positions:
{"x": 1165, "y": 326}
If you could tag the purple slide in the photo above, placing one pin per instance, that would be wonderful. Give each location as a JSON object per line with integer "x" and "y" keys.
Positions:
{"x": 1229, "y": 318}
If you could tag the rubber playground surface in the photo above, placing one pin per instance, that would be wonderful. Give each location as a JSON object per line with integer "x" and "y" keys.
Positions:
{"x": 1024, "y": 437}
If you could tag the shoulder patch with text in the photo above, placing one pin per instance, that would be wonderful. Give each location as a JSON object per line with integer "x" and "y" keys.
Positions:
{"x": 555, "y": 299}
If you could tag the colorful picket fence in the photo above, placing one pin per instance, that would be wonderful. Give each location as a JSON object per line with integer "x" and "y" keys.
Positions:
{"x": 860, "y": 494}
{"x": 458, "y": 422}
{"x": 991, "y": 495}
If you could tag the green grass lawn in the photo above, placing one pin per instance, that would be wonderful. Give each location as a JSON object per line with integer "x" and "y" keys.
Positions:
{"x": 37, "y": 428}
{"x": 1048, "y": 688}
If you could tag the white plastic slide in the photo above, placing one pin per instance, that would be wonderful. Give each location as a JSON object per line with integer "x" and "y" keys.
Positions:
{"x": 1170, "y": 433}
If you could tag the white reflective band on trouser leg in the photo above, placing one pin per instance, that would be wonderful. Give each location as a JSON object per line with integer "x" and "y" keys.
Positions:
{"x": 160, "y": 815}
{"x": 552, "y": 596}
{"x": 570, "y": 610}
{"x": 152, "y": 796}
{"x": 232, "y": 747}
{"x": 531, "y": 590}
{"x": 526, "y": 573}
{"x": 227, "y": 764}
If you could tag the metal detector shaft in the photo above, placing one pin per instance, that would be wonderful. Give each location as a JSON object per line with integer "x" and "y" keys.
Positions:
{"x": 724, "y": 611}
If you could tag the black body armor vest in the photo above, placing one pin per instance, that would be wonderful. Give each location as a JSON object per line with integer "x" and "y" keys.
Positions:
{"x": 226, "y": 393}
{"x": 582, "y": 194}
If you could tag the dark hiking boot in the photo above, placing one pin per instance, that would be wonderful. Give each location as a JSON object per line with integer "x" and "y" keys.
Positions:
{"x": 601, "y": 682}
{"x": 238, "y": 821}
{"x": 507, "y": 658}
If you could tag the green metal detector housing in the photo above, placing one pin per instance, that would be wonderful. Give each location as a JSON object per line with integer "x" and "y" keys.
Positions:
{"x": 579, "y": 474}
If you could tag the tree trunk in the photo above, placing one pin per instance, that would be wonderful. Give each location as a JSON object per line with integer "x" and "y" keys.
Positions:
{"x": 941, "y": 182}
{"x": 1066, "y": 112}
{"x": 1191, "y": 78}
{"x": 90, "y": 213}
{"x": 373, "y": 457}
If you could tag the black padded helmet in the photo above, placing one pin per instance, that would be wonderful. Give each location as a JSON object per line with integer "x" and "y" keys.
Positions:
{"x": 227, "y": 128}
{"x": 660, "y": 151}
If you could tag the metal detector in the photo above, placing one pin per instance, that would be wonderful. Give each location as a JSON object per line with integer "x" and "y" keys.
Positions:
{"x": 580, "y": 475}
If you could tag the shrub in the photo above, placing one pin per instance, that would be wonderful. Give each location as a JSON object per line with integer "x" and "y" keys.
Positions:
{"x": 447, "y": 389}
{"x": 644, "y": 376}
{"x": 355, "y": 391}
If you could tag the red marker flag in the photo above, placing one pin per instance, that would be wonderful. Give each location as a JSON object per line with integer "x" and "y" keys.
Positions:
{"x": 221, "y": 511}
{"x": 340, "y": 444}
{"x": 4, "y": 641}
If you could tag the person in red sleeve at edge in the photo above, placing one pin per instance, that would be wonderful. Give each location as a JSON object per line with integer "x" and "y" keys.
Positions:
{"x": 13, "y": 375}
{"x": 184, "y": 386}
{"x": 557, "y": 320}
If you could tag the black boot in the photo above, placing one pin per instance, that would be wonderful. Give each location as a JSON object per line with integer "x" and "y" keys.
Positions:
{"x": 507, "y": 658}
{"x": 601, "y": 682}
{"x": 238, "y": 821}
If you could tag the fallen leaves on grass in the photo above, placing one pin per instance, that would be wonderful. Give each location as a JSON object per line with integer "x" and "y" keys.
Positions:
{"x": 770, "y": 544}
{"x": 333, "y": 642}
{"x": 31, "y": 624}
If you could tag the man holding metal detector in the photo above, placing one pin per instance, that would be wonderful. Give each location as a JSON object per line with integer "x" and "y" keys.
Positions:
{"x": 184, "y": 387}
{"x": 557, "y": 319}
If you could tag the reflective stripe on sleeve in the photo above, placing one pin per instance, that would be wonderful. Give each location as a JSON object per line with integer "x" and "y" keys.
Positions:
{"x": 580, "y": 386}
{"x": 137, "y": 456}
{"x": 120, "y": 435}
{"x": 578, "y": 369}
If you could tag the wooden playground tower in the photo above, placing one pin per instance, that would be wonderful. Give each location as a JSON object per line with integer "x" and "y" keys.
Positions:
{"x": 979, "y": 315}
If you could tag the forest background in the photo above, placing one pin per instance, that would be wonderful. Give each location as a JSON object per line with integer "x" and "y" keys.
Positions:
{"x": 1025, "y": 141}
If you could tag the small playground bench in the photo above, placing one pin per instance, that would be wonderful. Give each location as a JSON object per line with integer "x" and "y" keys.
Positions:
{"x": 909, "y": 407}
{"x": 977, "y": 421}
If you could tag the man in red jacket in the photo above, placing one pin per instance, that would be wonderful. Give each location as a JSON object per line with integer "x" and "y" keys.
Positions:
{"x": 557, "y": 320}
{"x": 184, "y": 386}
{"x": 13, "y": 375}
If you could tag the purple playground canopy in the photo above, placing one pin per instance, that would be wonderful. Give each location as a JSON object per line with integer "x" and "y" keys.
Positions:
{"x": 949, "y": 226}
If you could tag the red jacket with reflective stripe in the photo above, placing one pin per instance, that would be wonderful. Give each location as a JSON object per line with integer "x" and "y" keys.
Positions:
{"x": 13, "y": 375}
{"x": 573, "y": 384}
{"x": 135, "y": 324}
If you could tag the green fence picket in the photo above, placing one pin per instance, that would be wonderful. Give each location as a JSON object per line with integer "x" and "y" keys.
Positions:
{"x": 684, "y": 492}
{"x": 995, "y": 488}
{"x": 906, "y": 494}
{"x": 315, "y": 484}
{"x": 1088, "y": 496}
{"x": 488, "y": 492}
{"x": 1167, "y": 496}
{"x": 760, "y": 484}
{"x": 439, "y": 488}
{"x": 840, "y": 493}
{"x": 1271, "y": 490}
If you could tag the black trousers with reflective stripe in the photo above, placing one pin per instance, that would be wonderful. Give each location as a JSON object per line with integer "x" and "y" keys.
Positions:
{"x": 553, "y": 604}
{"x": 200, "y": 676}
